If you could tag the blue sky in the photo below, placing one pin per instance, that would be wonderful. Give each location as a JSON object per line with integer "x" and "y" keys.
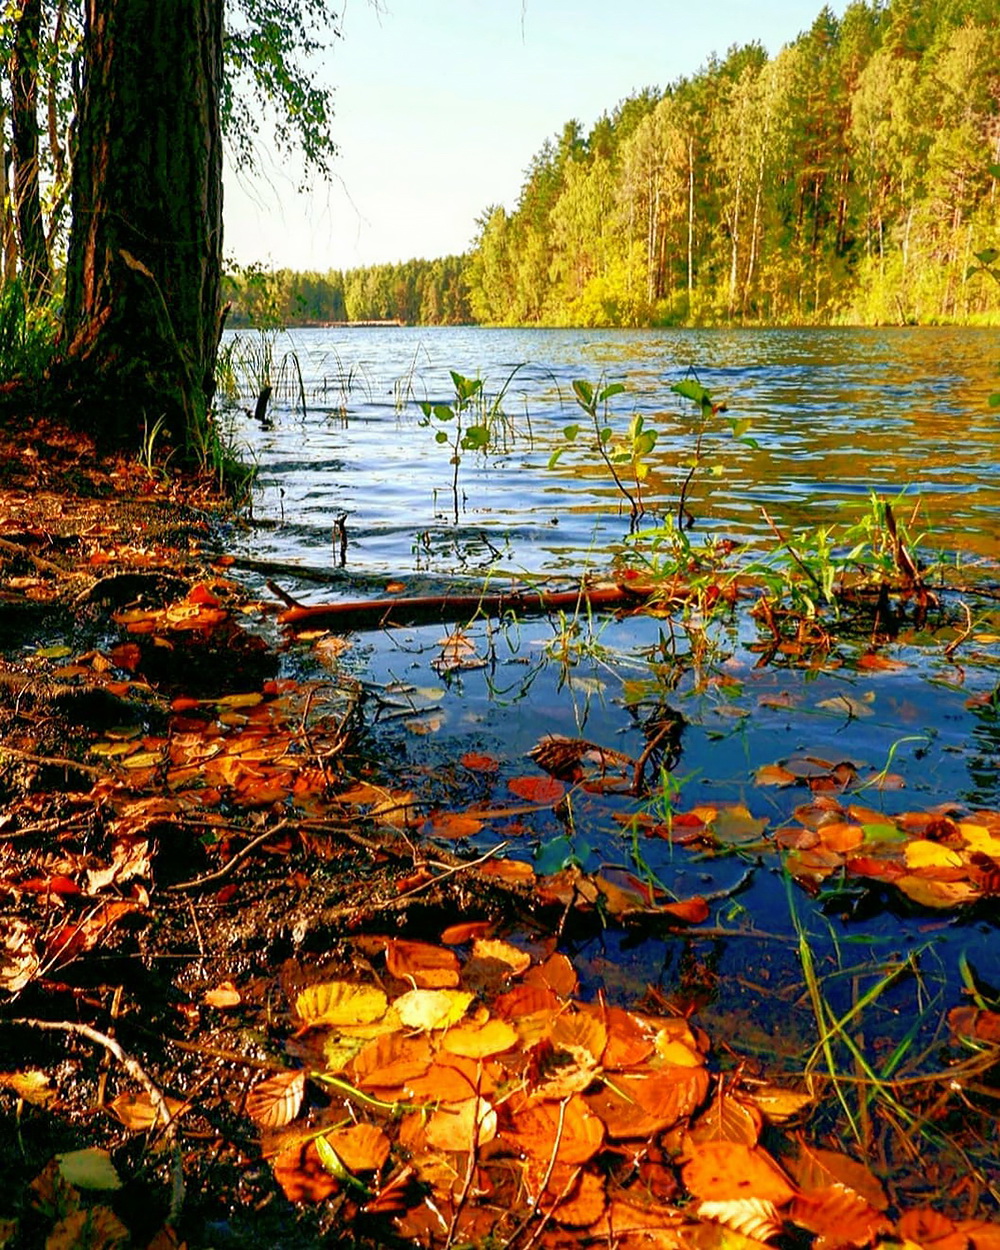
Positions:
{"x": 440, "y": 105}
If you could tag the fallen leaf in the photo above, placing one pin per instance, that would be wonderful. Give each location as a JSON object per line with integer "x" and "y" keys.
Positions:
{"x": 462, "y": 1126}
{"x": 543, "y": 790}
{"x": 276, "y": 1101}
{"x": 360, "y": 1147}
{"x": 334, "y": 1003}
{"x": 425, "y": 966}
{"x": 432, "y": 1009}
{"x": 719, "y": 1171}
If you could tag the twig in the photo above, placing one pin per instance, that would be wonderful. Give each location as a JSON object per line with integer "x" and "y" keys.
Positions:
{"x": 221, "y": 873}
{"x": 40, "y": 563}
{"x": 955, "y": 643}
{"x": 54, "y": 761}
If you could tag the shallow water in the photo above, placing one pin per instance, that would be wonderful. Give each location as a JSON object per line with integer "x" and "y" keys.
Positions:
{"x": 835, "y": 414}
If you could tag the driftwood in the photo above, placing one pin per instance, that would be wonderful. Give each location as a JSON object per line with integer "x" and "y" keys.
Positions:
{"x": 431, "y": 609}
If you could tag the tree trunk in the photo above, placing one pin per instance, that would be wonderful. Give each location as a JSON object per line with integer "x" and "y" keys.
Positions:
{"x": 141, "y": 314}
{"x": 34, "y": 254}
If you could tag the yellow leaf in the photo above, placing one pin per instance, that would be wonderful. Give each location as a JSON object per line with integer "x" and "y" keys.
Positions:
{"x": 979, "y": 838}
{"x": 922, "y": 853}
{"x": 432, "y": 1009}
{"x": 492, "y": 1038}
{"x": 336, "y": 1003}
{"x": 489, "y": 948}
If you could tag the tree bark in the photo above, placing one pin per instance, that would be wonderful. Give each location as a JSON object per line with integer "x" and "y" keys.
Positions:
{"x": 141, "y": 313}
{"x": 34, "y": 256}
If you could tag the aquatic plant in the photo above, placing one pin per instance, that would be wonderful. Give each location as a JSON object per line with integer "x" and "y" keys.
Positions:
{"x": 479, "y": 421}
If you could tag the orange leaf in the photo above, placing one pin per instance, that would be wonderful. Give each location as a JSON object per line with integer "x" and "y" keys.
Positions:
{"x": 360, "y": 1147}
{"x": 479, "y": 763}
{"x": 420, "y": 963}
{"x": 489, "y": 948}
{"x": 276, "y": 1102}
{"x": 841, "y": 1216}
{"x": 509, "y": 870}
{"x": 818, "y": 1169}
{"x": 480, "y": 1041}
{"x": 459, "y": 934}
{"x": 544, "y": 790}
{"x": 717, "y": 1171}
{"x": 556, "y": 974}
{"x": 462, "y": 1125}
{"x": 578, "y": 1131}
{"x": 452, "y": 825}
{"x": 391, "y": 1060}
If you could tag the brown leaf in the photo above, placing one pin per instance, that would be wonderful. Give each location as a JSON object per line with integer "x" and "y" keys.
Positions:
{"x": 817, "y": 1169}
{"x": 423, "y": 965}
{"x": 543, "y": 790}
{"x": 462, "y": 1126}
{"x": 571, "y": 1123}
{"x": 301, "y": 1174}
{"x": 138, "y": 1111}
{"x": 276, "y": 1101}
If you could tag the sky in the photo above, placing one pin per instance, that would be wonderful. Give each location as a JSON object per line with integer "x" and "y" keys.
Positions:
{"x": 441, "y": 104}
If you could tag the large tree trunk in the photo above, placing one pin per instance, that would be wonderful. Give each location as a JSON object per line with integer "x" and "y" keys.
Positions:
{"x": 141, "y": 313}
{"x": 24, "y": 124}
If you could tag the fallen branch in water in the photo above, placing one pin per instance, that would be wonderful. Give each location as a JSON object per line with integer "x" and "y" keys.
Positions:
{"x": 428, "y": 609}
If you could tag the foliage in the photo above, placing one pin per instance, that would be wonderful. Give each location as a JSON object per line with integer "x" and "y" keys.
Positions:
{"x": 848, "y": 178}
{"x": 415, "y": 292}
{"x": 621, "y": 454}
{"x": 27, "y": 335}
{"x": 479, "y": 422}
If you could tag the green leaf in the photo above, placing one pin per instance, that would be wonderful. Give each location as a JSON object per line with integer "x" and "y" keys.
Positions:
{"x": 570, "y": 432}
{"x": 440, "y": 437}
{"x": 584, "y": 392}
{"x": 89, "y": 1169}
{"x": 988, "y": 256}
{"x": 994, "y": 170}
{"x": 616, "y": 388}
{"x": 689, "y": 389}
{"x": 443, "y": 412}
{"x": 605, "y": 434}
{"x": 994, "y": 400}
{"x": 554, "y": 458}
{"x": 645, "y": 443}
{"x": 476, "y": 438}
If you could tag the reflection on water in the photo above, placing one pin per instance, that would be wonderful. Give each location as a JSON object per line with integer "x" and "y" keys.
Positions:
{"x": 835, "y": 413}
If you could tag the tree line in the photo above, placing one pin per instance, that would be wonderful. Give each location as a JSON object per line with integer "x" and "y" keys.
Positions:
{"x": 852, "y": 177}
{"x": 417, "y": 292}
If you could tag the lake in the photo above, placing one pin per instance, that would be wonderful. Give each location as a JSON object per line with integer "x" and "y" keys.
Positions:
{"x": 354, "y": 493}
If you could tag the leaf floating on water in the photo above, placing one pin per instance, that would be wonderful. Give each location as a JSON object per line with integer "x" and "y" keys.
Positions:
{"x": 774, "y": 775}
{"x": 477, "y": 762}
{"x": 452, "y": 825}
{"x": 543, "y": 790}
{"x": 848, "y": 705}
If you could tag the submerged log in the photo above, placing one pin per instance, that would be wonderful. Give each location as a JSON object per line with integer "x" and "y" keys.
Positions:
{"x": 431, "y": 609}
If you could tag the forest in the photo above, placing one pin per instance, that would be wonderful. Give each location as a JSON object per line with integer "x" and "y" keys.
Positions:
{"x": 849, "y": 179}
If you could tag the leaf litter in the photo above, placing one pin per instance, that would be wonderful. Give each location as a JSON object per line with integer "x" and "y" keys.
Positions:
{"x": 444, "y": 1092}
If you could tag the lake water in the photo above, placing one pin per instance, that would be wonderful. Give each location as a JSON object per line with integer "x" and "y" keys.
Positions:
{"x": 835, "y": 414}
